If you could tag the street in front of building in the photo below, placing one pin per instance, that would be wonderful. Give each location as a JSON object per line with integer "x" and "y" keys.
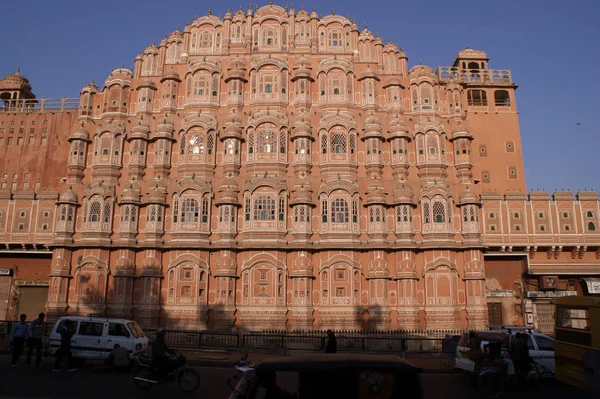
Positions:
{"x": 89, "y": 382}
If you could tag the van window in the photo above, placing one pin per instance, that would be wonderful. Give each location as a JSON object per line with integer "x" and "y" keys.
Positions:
{"x": 62, "y": 323}
{"x": 91, "y": 329}
{"x": 544, "y": 343}
{"x": 117, "y": 330}
{"x": 136, "y": 330}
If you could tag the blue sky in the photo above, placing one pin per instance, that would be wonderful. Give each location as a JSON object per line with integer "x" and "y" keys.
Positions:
{"x": 551, "y": 46}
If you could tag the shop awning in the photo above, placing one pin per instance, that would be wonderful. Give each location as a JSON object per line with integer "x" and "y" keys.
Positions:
{"x": 593, "y": 284}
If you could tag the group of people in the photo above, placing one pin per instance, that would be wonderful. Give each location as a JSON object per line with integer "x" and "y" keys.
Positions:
{"x": 27, "y": 334}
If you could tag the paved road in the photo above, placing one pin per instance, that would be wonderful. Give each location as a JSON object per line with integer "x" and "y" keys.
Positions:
{"x": 88, "y": 383}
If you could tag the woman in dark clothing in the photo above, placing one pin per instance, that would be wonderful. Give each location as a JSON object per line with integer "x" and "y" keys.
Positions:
{"x": 331, "y": 346}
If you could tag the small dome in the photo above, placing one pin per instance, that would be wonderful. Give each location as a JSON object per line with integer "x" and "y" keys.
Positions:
{"x": 397, "y": 129}
{"x": 368, "y": 73}
{"x": 467, "y": 197}
{"x": 472, "y": 54}
{"x": 302, "y": 266}
{"x": 402, "y": 53}
{"x": 375, "y": 192}
{"x": 390, "y": 48}
{"x": 171, "y": 75}
{"x": 302, "y": 126}
{"x": 403, "y": 194}
{"x": 461, "y": 132}
{"x": 366, "y": 35}
{"x": 156, "y": 195}
{"x": 141, "y": 127}
{"x": 90, "y": 88}
{"x": 227, "y": 14}
{"x": 80, "y": 134}
{"x": 422, "y": 71}
{"x": 68, "y": 196}
{"x": 15, "y": 81}
{"x": 302, "y": 194}
{"x": 378, "y": 267}
{"x": 392, "y": 81}
{"x": 228, "y": 193}
{"x": 372, "y": 127}
{"x": 130, "y": 195}
{"x": 147, "y": 82}
{"x": 226, "y": 266}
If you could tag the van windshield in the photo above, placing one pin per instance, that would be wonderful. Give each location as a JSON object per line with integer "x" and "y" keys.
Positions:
{"x": 135, "y": 329}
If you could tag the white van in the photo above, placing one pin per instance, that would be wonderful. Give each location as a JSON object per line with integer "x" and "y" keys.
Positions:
{"x": 95, "y": 337}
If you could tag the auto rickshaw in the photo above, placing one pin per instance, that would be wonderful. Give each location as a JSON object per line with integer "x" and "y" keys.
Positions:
{"x": 326, "y": 376}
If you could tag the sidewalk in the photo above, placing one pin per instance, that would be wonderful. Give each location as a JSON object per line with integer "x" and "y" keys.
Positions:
{"x": 430, "y": 363}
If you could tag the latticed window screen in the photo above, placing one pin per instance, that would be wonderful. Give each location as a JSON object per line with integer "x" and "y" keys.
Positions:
{"x": 63, "y": 213}
{"x": 264, "y": 207}
{"x": 338, "y": 143}
{"x": 439, "y": 212}
{"x": 125, "y": 217}
{"x": 247, "y": 208}
{"x": 266, "y": 141}
{"x": 196, "y": 144}
{"x": 352, "y": 143}
{"x": 282, "y": 142}
{"x": 281, "y": 208}
{"x": 340, "y": 211}
{"x": 209, "y": 144}
{"x": 133, "y": 213}
{"x": 106, "y": 212}
{"x": 250, "y": 142}
{"x": 473, "y": 214}
{"x": 378, "y": 214}
{"x": 324, "y": 210}
{"x": 204, "y": 210}
{"x": 175, "y": 210}
{"x": 226, "y": 215}
{"x": 189, "y": 210}
{"x": 95, "y": 211}
{"x": 426, "y": 212}
{"x": 152, "y": 214}
{"x": 354, "y": 211}
{"x": 159, "y": 214}
{"x": 324, "y": 144}
{"x": 465, "y": 215}
{"x": 70, "y": 214}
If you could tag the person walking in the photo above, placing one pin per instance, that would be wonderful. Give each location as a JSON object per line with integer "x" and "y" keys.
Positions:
{"x": 331, "y": 346}
{"x": 17, "y": 339}
{"x": 35, "y": 333}
{"x": 65, "y": 348}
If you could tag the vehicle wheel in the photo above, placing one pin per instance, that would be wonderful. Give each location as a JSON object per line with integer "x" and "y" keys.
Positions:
{"x": 142, "y": 374}
{"x": 490, "y": 384}
{"x": 544, "y": 379}
{"x": 188, "y": 380}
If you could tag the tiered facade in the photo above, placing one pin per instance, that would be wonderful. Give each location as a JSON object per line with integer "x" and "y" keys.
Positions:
{"x": 277, "y": 169}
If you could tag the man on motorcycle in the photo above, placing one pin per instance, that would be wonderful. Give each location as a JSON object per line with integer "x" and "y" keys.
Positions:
{"x": 160, "y": 355}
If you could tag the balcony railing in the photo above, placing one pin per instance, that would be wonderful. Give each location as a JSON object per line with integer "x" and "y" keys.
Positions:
{"x": 39, "y": 105}
{"x": 483, "y": 76}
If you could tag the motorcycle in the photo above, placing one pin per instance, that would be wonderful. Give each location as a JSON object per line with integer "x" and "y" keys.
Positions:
{"x": 146, "y": 375}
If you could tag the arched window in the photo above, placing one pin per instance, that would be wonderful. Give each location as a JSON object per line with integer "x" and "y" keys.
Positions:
{"x": 477, "y": 98}
{"x": 95, "y": 210}
{"x": 340, "y": 211}
{"x": 439, "y": 212}
{"x": 266, "y": 142}
{"x": 63, "y": 213}
{"x": 269, "y": 88}
{"x": 591, "y": 226}
{"x": 338, "y": 143}
{"x": 189, "y": 210}
{"x": 590, "y": 214}
{"x": 206, "y": 40}
{"x": 264, "y": 207}
{"x": 107, "y": 212}
{"x": 501, "y": 98}
{"x": 196, "y": 144}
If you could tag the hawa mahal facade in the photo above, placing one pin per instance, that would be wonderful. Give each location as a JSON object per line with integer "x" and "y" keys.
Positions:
{"x": 278, "y": 169}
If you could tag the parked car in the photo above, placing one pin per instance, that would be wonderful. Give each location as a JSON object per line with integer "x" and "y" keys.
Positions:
{"x": 331, "y": 375}
{"x": 95, "y": 337}
{"x": 541, "y": 347}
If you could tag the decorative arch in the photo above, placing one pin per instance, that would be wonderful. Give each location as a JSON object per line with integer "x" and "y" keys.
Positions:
{"x": 91, "y": 277}
{"x": 440, "y": 262}
{"x": 340, "y": 281}
{"x": 264, "y": 281}
{"x": 187, "y": 281}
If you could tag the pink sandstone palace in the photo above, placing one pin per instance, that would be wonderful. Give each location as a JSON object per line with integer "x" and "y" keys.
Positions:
{"x": 277, "y": 169}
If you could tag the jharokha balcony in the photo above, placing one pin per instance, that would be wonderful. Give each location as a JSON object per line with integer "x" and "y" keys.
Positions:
{"x": 477, "y": 76}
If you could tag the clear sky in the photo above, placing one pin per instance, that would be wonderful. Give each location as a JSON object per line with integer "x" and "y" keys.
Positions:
{"x": 551, "y": 46}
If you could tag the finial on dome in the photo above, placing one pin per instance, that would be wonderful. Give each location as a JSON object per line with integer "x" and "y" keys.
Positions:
{"x": 365, "y": 25}
{"x": 256, "y": 8}
{"x": 302, "y": 8}
{"x": 123, "y": 65}
{"x": 229, "y": 9}
{"x": 401, "y": 48}
{"x": 270, "y": 2}
{"x": 332, "y": 11}
{"x": 18, "y": 70}
{"x": 286, "y": 8}
{"x": 467, "y": 46}
{"x": 420, "y": 62}
{"x": 93, "y": 81}
{"x": 208, "y": 13}
{"x": 177, "y": 29}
